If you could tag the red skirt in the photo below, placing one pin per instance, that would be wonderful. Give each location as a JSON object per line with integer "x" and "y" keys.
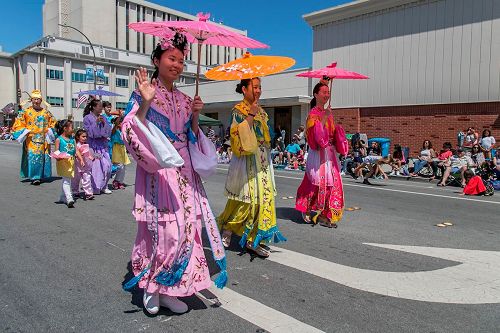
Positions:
{"x": 307, "y": 200}
{"x": 475, "y": 186}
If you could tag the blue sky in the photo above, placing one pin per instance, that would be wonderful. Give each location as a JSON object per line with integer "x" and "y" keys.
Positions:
{"x": 277, "y": 23}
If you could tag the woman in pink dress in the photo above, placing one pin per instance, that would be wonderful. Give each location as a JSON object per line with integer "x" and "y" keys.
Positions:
{"x": 161, "y": 132}
{"x": 320, "y": 196}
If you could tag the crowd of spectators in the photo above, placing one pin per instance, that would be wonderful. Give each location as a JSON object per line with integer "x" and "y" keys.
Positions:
{"x": 474, "y": 155}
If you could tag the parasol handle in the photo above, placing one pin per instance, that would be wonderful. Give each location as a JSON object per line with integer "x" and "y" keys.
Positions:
{"x": 330, "y": 100}
{"x": 198, "y": 67}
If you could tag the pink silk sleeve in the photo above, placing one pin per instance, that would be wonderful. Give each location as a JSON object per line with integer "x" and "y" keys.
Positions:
{"x": 137, "y": 143}
{"x": 317, "y": 136}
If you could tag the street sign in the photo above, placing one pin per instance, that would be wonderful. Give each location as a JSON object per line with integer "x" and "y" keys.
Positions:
{"x": 89, "y": 74}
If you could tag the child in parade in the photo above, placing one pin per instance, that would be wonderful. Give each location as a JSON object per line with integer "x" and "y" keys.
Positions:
{"x": 119, "y": 156}
{"x": 83, "y": 172}
{"x": 98, "y": 131}
{"x": 250, "y": 188}
{"x": 161, "y": 132}
{"x": 65, "y": 149}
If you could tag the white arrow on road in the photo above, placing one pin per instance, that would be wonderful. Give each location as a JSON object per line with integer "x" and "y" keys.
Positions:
{"x": 476, "y": 280}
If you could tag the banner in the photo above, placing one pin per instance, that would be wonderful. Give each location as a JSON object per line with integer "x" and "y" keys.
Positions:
{"x": 89, "y": 74}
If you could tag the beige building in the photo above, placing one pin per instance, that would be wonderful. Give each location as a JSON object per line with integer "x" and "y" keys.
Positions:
{"x": 105, "y": 22}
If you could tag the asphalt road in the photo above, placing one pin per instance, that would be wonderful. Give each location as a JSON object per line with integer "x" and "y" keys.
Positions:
{"x": 61, "y": 269}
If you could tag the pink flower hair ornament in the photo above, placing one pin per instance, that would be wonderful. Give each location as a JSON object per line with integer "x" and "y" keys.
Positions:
{"x": 175, "y": 41}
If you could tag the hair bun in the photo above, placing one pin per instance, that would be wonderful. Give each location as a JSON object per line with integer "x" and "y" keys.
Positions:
{"x": 239, "y": 88}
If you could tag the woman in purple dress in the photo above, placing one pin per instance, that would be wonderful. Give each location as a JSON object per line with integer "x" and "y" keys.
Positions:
{"x": 99, "y": 132}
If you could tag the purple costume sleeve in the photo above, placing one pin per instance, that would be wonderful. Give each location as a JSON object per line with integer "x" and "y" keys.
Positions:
{"x": 95, "y": 130}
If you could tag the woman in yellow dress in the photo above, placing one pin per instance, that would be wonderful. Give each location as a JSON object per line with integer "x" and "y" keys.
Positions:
{"x": 250, "y": 210}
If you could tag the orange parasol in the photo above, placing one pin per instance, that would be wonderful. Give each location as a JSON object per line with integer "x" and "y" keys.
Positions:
{"x": 250, "y": 66}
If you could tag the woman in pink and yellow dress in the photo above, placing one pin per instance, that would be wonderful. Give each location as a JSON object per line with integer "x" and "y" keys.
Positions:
{"x": 161, "y": 133}
{"x": 320, "y": 196}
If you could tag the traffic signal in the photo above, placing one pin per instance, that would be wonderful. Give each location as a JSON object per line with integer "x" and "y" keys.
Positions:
{"x": 18, "y": 93}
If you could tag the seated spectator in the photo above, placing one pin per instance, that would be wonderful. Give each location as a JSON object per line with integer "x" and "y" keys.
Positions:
{"x": 210, "y": 134}
{"x": 301, "y": 159}
{"x": 496, "y": 164}
{"x": 277, "y": 155}
{"x": 471, "y": 138}
{"x": 301, "y": 137}
{"x": 374, "y": 154}
{"x": 477, "y": 157}
{"x": 487, "y": 143}
{"x": 473, "y": 184}
{"x": 292, "y": 150}
{"x": 218, "y": 142}
{"x": 397, "y": 160}
{"x": 354, "y": 158}
{"x": 442, "y": 160}
{"x": 426, "y": 155}
{"x": 460, "y": 163}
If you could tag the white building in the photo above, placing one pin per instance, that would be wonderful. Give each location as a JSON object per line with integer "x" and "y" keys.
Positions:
{"x": 415, "y": 52}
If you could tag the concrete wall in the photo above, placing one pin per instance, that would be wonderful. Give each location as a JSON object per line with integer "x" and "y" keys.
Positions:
{"x": 8, "y": 83}
{"x": 426, "y": 52}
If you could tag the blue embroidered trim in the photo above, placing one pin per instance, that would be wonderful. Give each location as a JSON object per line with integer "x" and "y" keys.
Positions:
{"x": 133, "y": 281}
{"x": 267, "y": 236}
{"x": 189, "y": 131}
{"x": 174, "y": 274}
{"x": 221, "y": 280}
{"x": 134, "y": 98}
{"x": 263, "y": 236}
{"x": 162, "y": 122}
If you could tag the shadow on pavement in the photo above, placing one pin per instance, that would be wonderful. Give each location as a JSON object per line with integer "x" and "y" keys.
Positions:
{"x": 289, "y": 213}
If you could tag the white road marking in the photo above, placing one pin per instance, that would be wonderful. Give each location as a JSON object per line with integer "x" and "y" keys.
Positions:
{"x": 115, "y": 246}
{"x": 257, "y": 313}
{"x": 399, "y": 191}
{"x": 475, "y": 281}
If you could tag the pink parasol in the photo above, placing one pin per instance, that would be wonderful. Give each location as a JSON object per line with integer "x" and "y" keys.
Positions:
{"x": 333, "y": 72}
{"x": 201, "y": 32}
{"x": 60, "y": 155}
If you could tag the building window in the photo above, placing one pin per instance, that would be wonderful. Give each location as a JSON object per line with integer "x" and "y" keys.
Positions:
{"x": 122, "y": 83}
{"x": 103, "y": 80}
{"x": 55, "y": 101}
{"x": 121, "y": 105}
{"x": 54, "y": 74}
{"x": 74, "y": 101}
{"x": 78, "y": 77}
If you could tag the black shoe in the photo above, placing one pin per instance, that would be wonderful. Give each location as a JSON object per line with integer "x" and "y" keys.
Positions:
{"x": 365, "y": 181}
{"x": 36, "y": 182}
{"x": 71, "y": 204}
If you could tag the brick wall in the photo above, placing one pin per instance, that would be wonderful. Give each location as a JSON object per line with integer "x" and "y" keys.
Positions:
{"x": 411, "y": 125}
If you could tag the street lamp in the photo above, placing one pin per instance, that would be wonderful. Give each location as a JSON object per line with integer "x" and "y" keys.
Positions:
{"x": 34, "y": 76}
{"x": 91, "y": 46}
